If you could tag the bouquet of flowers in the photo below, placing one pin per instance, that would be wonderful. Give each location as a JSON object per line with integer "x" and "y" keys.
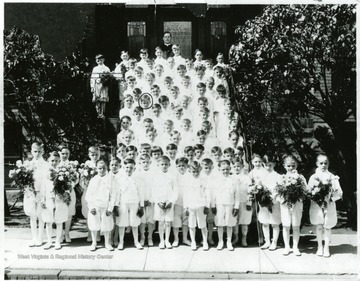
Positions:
{"x": 106, "y": 79}
{"x": 261, "y": 194}
{"x": 63, "y": 178}
{"x": 23, "y": 176}
{"x": 291, "y": 189}
{"x": 322, "y": 190}
{"x": 86, "y": 172}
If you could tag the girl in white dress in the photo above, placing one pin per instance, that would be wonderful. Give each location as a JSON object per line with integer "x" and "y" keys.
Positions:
{"x": 324, "y": 219}
{"x": 55, "y": 210}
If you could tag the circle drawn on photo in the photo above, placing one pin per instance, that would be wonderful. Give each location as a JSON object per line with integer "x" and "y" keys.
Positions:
{"x": 146, "y": 101}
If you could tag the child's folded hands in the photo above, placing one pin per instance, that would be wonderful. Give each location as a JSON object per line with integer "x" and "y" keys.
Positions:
{"x": 147, "y": 203}
{"x": 140, "y": 212}
{"x": 161, "y": 205}
{"x": 168, "y": 205}
{"x": 116, "y": 211}
{"x": 108, "y": 213}
{"x": 93, "y": 211}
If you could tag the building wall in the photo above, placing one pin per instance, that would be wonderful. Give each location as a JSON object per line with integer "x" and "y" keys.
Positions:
{"x": 60, "y": 26}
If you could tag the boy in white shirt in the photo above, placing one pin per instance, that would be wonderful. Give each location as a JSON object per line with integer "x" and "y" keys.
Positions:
{"x": 143, "y": 60}
{"x": 209, "y": 177}
{"x": 114, "y": 175}
{"x": 131, "y": 85}
{"x": 225, "y": 205}
{"x": 164, "y": 195}
{"x": 128, "y": 108}
{"x": 243, "y": 182}
{"x": 180, "y": 220}
{"x": 142, "y": 175}
{"x": 137, "y": 125}
{"x": 131, "y": 205}
{"x": 32, "y": 198}
{"x": 177, "y": 56}
{"x": 166, "y": 110}
{"x": 100, "y": 199}
{"x": 155, "y": 92}
{"x": 156, "y": 116}
{"x": 159, "y": 57}
{"x": 196, "y": 204}
{"x": 186, "y": 132}
{"x": 166, "y": 136}
{"x": 131, "y": 70}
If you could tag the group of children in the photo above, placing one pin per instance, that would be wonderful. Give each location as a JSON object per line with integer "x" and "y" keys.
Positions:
{"x": 143, "y": 190}
{"x": 179, "y": 163}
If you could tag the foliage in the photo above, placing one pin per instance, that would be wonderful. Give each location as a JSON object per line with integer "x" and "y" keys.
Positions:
{"x": 282, "y": 62}
{"x": 50, "y": 99}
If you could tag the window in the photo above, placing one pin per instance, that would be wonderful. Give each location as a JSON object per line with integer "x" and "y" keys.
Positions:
{"x": 136, "y": 28}
{"x": 218, "y": 28}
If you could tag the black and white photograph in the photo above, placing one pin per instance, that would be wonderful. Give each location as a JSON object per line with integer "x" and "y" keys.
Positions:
{"x": 179, "y": 139}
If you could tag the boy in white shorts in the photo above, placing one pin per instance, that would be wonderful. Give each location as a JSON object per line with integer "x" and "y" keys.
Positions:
{"x": 100, "y": 199}
{"x": 142, "y": 176}
{"x": 131, "y": 205}
{"x": 164, "y": 194}
{"x": 196, "y": 204}
{"x": 225, "y": 205}
{"x": 180, "y": 220}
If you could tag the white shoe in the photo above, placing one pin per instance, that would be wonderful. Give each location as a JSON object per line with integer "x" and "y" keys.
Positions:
{"x": 150, "y": 242}
{"x": 296, "y": 252}
{"x": 220, "y": 245}
{"x": 120, "y": 246}
{"x": 109, "y": 247}
{"x": 32, "y": 243}
{"x": 57, "y": 246}
{"x": 38, "y": 242}
{"x": 93, "y": 247}
{"x": 205, "y": 246}
{"x": 265, "y": 246}
{"x": 175, "y": 243}
{"x": 326, "y": 253}
{"x": 47, "y": 246}
{"x": 229, "y": 246}
{"x": 187, "y": 242}
{"x": 320, "y": 252}
{"x": 142, "y": 242}
{"x": 286, "y": 251}
{"x": 162, "y": 245}
{"x": 168, "y": 245}
{"x": 193, "y": 246}
{"x": 273, "y": 246}
{"x": 138, "y": 246}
